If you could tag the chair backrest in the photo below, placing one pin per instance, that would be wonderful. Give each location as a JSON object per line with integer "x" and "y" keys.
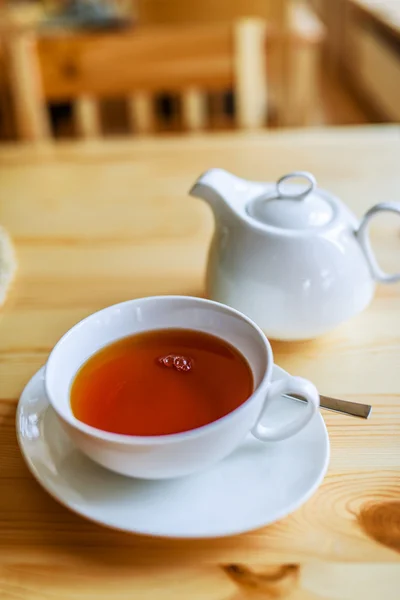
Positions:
{"x": 137, "y": 64}
{"x": 149, "y": 12}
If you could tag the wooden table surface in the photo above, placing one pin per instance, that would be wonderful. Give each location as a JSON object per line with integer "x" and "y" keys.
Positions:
{"x": 98, "y": 223}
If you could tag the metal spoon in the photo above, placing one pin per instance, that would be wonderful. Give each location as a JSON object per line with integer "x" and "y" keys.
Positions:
{"x": 345, "y": 407}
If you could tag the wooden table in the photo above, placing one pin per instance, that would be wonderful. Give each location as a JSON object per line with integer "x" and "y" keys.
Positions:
{"x": 99, "y": 223}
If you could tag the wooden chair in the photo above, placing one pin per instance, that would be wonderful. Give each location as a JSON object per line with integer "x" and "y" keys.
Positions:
{"x": 295, "y": 37}
{"x": 138, "y": 64}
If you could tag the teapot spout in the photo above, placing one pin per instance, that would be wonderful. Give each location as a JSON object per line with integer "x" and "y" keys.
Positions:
{"x": 223, "y": 191}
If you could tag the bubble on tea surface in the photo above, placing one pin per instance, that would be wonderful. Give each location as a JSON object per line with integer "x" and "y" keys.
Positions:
{"x": 167, "y": 361}
{"x": 178, "y": 362}
{"x": 182, "y": 363}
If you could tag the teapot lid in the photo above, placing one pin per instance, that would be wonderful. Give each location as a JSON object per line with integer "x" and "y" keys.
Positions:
{"x": 292, "y": 205}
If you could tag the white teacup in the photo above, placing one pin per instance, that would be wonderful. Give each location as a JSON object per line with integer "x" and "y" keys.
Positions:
{"x": 156, "y": 457}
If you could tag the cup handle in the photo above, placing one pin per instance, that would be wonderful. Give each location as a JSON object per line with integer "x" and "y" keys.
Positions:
{"x": 363, "y": 238}
{"x": 291, "y": 385}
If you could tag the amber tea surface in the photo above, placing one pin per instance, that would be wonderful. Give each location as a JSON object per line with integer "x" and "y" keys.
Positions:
{"x": 160, "y": 382}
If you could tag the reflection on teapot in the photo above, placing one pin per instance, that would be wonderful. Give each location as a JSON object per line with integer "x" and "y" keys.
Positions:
{"x": 293, "y": 258}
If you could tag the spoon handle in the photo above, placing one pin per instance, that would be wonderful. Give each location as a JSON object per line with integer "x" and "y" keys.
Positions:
{"x": 354, "y": 409}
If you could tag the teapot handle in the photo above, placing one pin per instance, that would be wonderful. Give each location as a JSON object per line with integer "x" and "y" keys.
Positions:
{"x": 363, "y": 237}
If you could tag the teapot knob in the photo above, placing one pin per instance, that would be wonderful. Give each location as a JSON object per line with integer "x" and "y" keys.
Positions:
{"x": 311, "y": 185}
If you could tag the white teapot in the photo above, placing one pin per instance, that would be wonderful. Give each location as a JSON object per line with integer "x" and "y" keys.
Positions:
{"x": 292, "y": 258}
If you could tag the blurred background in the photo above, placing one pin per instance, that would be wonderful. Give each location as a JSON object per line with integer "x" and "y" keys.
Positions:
{"x": 85, "y": 68}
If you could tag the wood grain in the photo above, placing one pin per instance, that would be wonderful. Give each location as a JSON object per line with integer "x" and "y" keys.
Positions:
{"x": 96, "y": 223}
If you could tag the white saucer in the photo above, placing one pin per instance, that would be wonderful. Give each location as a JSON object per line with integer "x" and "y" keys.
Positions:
{"x": 255, "y": 486}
